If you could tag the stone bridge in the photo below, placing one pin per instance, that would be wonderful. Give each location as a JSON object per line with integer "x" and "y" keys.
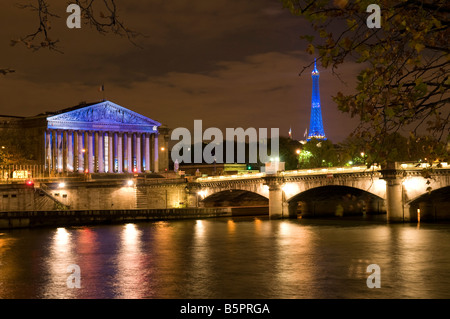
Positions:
{"x": 396, "y": 187}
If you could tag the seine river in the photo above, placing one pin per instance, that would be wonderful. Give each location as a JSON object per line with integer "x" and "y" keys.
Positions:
{"x": 238, "y": 258}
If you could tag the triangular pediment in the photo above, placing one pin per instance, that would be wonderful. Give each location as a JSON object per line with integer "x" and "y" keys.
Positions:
{"x": 102, "y": 114}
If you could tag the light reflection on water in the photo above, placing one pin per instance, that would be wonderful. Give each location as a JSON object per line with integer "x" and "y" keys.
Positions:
{"x": 228, "y": 258}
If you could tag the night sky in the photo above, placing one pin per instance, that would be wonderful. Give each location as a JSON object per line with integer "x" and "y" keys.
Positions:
{"x": 230, "y": 63}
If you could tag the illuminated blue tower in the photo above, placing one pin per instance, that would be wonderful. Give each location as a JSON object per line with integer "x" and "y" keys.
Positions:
{"x": 315, "y": 124}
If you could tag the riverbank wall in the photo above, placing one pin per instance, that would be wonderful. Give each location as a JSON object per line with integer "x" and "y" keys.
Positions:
{"x": 32, "y": 219}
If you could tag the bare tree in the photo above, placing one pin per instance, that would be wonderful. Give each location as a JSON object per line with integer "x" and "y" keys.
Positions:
{"x": 101, "y": 15}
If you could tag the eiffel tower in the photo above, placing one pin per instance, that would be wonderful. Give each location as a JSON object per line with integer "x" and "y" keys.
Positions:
{"x": 315, "y": 124}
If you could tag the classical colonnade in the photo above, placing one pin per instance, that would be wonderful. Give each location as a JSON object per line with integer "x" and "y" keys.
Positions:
{"x": 88, "y": 151}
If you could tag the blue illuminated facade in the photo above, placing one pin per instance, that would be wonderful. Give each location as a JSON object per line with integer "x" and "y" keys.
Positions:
{"x": 316, "y": 126}
{"x": 99, "y": 137}
{"x": 102, "y": 138}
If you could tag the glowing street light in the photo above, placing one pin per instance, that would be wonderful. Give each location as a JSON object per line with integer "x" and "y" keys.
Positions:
{"x": 62, "y": 185}
{"x": 298, "y": 151}
{"x": 130, "y": 182}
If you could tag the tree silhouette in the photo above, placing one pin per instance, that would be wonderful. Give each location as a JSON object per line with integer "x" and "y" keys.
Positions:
{"x": 405, "y": 80}
{"x": 101, "y": 15}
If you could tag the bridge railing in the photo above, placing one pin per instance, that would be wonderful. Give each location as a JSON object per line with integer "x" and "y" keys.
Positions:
{"x": 315, "y": 171}
{"x": 331, "y": 170}
{"x": 419, "y": 166}
{"x": 230, "y": 177}
{"x": 327, "y": 170}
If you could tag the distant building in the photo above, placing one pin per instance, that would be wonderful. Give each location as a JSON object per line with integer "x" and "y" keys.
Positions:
{"x": 98, "y": 137}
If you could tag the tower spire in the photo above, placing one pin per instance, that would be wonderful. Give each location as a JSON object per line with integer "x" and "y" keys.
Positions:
{"x": 315, "y": 125}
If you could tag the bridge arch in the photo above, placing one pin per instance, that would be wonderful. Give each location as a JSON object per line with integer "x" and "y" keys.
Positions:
{"x": 433, "y": 205}
{"x": 241, "y": 202}
{"x": 250, "y": 185}
{"x": 335, "y": 200}
{"x": 365, "y": 182}
{"x": 234, "y": 197}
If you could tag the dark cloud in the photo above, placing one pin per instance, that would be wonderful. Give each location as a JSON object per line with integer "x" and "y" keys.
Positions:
{"x": 230, "y": 63}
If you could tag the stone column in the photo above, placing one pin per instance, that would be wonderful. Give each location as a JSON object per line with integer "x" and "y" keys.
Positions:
{"x": 163, "y": 158}
{"x": 125, "y": 151}
{"x": 96, "y": 160}
{"x": 59, "y": 139}
{"x": 115, "y": 153}
{"x": 90, "y": 152}
{"x": 138, "y": 153}
{"x": 110, "y": 152}
{"x": 75, "y": 151}
{"x": 54, "y": 151}
{"x": 81, "y": 151}
{"x": 152, "y": 152}
{"x": 147, "y": 152}
{"x": 48, "y": 149}
{"x": 120, "y": 152}
{"x": 101, "y": 151}
{"x": 275, "y": 196}
{"x": 70, "y": 166}
{"x": 86, "y": 151}
{"x": 134, "y": 152}
{"x": 65, "y": 151}
{"x": 155, "y": 153}
{"x": 130, "y": 152}
{"x": 394, "y": 201}
{"x": 394, "y": 194}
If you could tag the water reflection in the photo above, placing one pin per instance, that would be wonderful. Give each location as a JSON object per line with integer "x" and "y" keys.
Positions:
{"x": 296, "y": 260}
{"x": 231, "y": 226}
{"x": 7, "y": 270}
{"x": 417, "y": 262}
{"x": 228, "y": 258}
{"x": 199, "y": 268}
{"x": 60, "y": 256}
{"x": 258, "y": 224}
{"x": 130, "y": 273}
